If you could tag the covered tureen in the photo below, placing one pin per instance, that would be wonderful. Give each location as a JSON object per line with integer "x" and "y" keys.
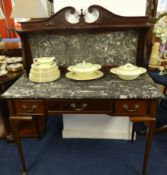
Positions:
{"x": 84, "y": 69}
{"x": 128, "y": 71}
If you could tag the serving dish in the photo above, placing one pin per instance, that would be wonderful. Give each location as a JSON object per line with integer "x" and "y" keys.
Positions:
{"x": 84, "y": 69}
{"x": 3, "y": 66}
{"x": 97, "y": 74}
{"x": 128, "y": 71}
{"x": 14, "y": 60}
{"x": 2, "y": 59}
{"x": 15, "y": 67}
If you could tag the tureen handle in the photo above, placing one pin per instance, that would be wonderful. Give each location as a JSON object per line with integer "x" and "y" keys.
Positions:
{"x": 83, "y": 63}
{"x": 128, "y": 65}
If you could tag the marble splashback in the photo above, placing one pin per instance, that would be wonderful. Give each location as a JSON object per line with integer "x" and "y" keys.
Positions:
{"x": 106, "y": 48}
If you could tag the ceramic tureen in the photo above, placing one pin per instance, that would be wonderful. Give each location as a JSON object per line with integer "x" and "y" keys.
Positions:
{"x": 84, "y": 69}
{"x": 128, "y": 71}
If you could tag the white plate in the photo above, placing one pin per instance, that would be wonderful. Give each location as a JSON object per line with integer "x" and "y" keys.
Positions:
{"x": 95, "y": 75}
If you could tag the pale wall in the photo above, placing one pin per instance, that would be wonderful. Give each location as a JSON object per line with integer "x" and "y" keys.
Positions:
{"x": 121, "y": 7}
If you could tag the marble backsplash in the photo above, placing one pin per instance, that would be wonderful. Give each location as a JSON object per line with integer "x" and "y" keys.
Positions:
{"x": 106, "y": 48}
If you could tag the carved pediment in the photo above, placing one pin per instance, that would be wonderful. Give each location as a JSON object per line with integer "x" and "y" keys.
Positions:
{"x": 104, "y": 19}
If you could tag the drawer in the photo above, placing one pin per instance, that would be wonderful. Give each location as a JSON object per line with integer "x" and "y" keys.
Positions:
{"x": 129, "y": 107}
{"x": 80, "y": 106}
{"x": 32, "y": 107}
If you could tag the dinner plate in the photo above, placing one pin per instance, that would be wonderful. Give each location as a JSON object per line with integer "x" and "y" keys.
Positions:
{"x": 49, "y": 72}
{"x": 74, "y": 76}
{"x": 44, "y": 80}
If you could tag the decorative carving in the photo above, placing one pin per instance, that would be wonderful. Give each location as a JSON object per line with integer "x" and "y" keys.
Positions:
{"x": 105, "y": 19}
{"x": 72, "y": 16}
{"x": 94, "y": 13}
{"x": 82, "y": 18}
{"x": 62, "y": 14}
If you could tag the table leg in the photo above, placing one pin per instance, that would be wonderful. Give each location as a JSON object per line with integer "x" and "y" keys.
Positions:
{"x": 19, "y": 148}
{"x": 133, "y": 132}
{"x": 150, "y": 122}
{"x": 149, "y": 139}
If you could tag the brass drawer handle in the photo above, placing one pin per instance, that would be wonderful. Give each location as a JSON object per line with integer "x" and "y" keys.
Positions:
{"x": 76, "y": 108}
{"x": 133, "y": 109}
{"x": 26, "y": 110}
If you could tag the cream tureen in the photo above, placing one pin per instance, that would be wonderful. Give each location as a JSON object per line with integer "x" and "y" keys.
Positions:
{"x": 128, "y": 71}
{"x": 84, "y": 69}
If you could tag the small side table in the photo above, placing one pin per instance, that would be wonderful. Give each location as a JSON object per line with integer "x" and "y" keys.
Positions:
{"x": 5, "y": 82}
{"x": 28, "y": 127}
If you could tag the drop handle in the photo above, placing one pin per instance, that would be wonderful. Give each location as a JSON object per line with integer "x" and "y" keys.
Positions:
{"x": 77, "y": 108}
{"x": 131, "y": 109}
{"x": 29, "y": 110}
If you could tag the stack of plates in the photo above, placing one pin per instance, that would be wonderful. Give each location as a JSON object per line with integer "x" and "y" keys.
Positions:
{"x": 3, "y": 65}
{"x": 42, "y": 73}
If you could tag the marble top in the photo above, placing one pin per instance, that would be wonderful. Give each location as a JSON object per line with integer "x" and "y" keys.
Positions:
{"x": 106, "y": 87}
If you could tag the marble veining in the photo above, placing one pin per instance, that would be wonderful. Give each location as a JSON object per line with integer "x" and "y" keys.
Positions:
{"x": 109, "y": 86}
{"x": 107, "y": 48}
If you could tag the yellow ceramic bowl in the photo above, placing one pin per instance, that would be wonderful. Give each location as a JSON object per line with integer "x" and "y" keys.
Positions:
{"x": 127, "y": 77}
{"x": 128, "y": 71}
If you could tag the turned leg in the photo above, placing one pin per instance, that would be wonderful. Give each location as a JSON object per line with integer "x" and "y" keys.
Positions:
{"x": 15, "y": 133}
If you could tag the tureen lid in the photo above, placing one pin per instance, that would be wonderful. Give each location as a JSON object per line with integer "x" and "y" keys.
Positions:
{"x": 129, "y": 69}
{"x": 84, "y": 67}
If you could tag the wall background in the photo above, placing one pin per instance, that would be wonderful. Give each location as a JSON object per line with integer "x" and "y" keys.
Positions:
{"x": 120, "y": 7}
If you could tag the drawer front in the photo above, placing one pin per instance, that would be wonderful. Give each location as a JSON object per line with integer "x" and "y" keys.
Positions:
{"x": 130, "y": 107}
{"x": 80, "y": 106}
{"x": 30, "y": 107}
